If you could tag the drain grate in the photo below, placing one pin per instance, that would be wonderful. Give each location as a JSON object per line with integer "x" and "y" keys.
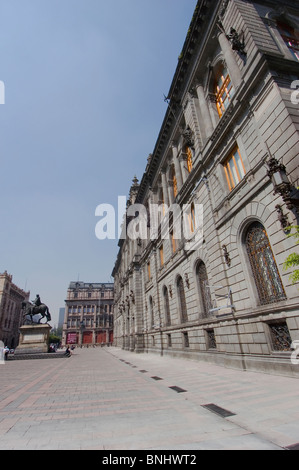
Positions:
{"x": 218, "y": 410}
{"x": 156, "y": 378}
{"x": 143, "y": 371}
{"x": 178, "y": 389}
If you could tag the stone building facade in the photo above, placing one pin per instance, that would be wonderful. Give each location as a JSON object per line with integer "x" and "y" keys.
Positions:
{"x": 227, "y": 156}
{"x": 11, "y": 317}
{"x": 88, "y": 316}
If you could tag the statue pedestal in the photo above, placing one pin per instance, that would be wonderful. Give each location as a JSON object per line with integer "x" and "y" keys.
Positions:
{"x": 34, "y": 339}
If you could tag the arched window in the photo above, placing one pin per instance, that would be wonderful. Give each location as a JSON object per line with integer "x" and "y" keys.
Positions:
{"x": 224, "y": 90}
{"x": 203, "y": 289}
{"x": 182, "y": 300}
{"x": 263, "y": 265}
{"x": 166, "y": 306}
{"x": 290, "y": 36}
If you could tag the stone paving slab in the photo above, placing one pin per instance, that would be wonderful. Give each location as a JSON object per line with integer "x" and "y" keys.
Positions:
{"x": 110, "y": 399}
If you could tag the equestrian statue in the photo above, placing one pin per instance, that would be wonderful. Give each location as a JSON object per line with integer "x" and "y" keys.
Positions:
{"x": 35, "y": 308}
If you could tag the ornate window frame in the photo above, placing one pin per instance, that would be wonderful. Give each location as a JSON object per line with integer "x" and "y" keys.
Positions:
{"x": 268, "y": 289}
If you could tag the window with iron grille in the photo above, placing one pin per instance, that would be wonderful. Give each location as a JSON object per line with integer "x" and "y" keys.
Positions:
{"x": 263, "y": 265}
{"x": 211, "y": 340}
{"x": 166, "y": 306}
{"x": 280, "y": 336}
{"x": 182, "y": 300}
{"x": 151, "y": 311}
{"x": 186, "y": 340}
{"x": 205, "y": 294}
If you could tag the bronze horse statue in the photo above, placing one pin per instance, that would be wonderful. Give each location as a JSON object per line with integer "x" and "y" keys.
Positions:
{"x": 31, "y": 310}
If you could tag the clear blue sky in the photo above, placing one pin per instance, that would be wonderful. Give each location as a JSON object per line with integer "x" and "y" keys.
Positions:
{"x": 84, "y": 84}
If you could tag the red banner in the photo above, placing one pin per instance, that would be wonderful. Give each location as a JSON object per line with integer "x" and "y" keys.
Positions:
{"x": 71, "y": 338}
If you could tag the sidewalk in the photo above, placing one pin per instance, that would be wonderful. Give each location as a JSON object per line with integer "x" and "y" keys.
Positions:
{"x": 110, "y": 399}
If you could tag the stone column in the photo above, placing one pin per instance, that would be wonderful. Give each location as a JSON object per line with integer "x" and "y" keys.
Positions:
{"x": 165, "y": 188}
{"x": 230, "y": 59}
{"x": 170, "y": 188}
{"x": 182, "y": 160}
{"x": 207, "y": 121}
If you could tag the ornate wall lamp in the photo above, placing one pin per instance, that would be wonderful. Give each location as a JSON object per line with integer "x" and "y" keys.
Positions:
{"x": 132, "y": 296}
{"x": 238, "y": 43}
{"x": 277, "y": 174}
{"x": 283, "y": 219}
{"x": 226, "y": 256}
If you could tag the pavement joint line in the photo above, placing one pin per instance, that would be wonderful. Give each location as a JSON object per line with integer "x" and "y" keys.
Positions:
{"x": 60, "y": 401}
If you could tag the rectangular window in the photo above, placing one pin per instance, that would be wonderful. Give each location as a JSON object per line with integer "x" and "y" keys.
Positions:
{"x": 149, "y": 270}
{"x": 211, "y": 339}
{"x": 192, "y": 219}
{"x": 161, "y": 256}
{"x": 173, "y": 242}
{"x": 186, "y": 340}
{"x": 224, "y": 91}
{"x": 189, "y": 159}
{"x": 234, "y": 169}
{"x": 280, "y": 336}
{"x": 290, "y": 37}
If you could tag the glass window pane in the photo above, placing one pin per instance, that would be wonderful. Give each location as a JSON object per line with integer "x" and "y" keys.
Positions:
{"x": 263, "y": 265}
{"x": 233, "y": 172}
{"x": 239, "y": 164}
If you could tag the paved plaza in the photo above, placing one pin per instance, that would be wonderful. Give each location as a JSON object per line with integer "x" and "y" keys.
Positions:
{"x": 109, "y": 399}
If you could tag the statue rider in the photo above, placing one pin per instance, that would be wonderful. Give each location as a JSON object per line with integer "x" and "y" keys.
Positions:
{"x": 37, "y": 301}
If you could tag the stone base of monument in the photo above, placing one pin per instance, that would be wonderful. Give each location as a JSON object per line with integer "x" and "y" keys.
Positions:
{"x": 34, "y": 339}
{"x": 34, "y": 343}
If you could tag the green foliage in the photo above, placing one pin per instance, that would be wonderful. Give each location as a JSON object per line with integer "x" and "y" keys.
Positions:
{"x": 292, "y": 260}
{"x": 54, "y": 339}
